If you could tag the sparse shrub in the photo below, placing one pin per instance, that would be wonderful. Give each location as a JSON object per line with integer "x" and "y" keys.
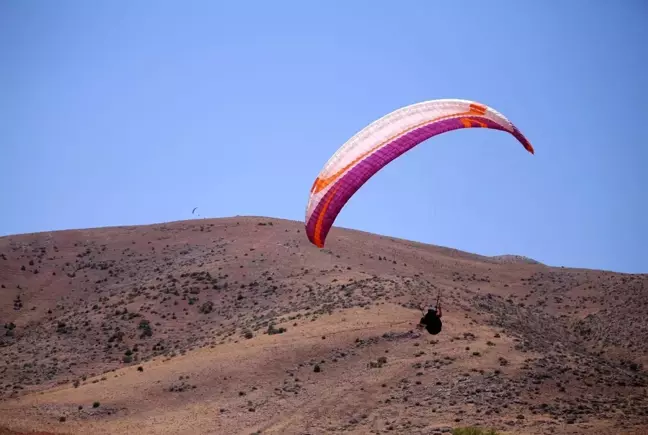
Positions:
{"x": 140, "y": 369}
{"x": 62, "y": 328}
{"x": 272, "y": 330}
{"x": 473, "y": 430}
{"x": 145, "y": 326}
{"x": 18, "y": 303}
{"x": 207, "y": 307}
{"x": 117, "y": 336}
{"x": 317, "y": 368}
{"x": 379, "y": 363}
{"x": 95, "y": 405}
{"x": 248, "y": 334}
{"x": 10, "y": 329}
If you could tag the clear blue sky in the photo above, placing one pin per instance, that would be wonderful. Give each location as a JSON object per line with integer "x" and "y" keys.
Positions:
{"x": 119, "y": 112}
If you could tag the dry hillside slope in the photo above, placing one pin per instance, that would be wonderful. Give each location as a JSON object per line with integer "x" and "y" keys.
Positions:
{"x": 239, "y": 325}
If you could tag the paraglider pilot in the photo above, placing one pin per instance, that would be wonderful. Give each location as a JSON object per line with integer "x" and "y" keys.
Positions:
{"x": 431, "y": 320}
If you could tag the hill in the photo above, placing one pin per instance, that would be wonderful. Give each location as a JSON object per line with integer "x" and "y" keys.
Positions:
{"x": 514, "y": 259}
{"x": 239, "y": 325}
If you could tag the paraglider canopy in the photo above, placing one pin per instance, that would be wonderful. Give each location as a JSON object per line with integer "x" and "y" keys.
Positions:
{"x": 382, "y": 141}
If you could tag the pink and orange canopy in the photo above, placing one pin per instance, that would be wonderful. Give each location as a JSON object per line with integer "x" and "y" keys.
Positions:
{"x": 381, "y": 142}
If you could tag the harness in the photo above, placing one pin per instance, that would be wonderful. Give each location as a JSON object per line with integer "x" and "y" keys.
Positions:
{"x": 432, "y": 319}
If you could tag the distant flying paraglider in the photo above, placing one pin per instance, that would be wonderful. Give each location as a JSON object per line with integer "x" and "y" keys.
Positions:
{"x": 382, "y": 141}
